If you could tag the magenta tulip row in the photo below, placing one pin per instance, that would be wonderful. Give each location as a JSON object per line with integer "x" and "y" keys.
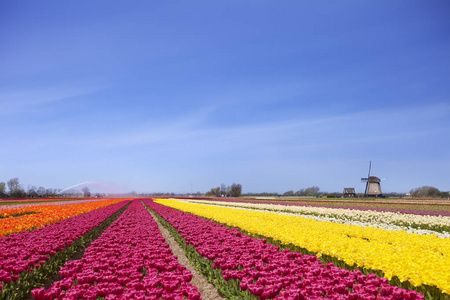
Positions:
{"x": 25, "y": 251}
{"x": 267, "y": 272}
{"x": 130, "y": 260}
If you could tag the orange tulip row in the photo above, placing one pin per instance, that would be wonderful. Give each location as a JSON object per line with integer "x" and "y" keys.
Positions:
{"x": 34, "y": 217}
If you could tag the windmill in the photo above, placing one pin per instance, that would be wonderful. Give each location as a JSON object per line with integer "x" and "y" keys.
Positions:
{"x": 373, "y": 187}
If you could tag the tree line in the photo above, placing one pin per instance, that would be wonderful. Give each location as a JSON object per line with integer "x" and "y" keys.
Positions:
{"x": 314, "y": 191}
{"x": 310, "y": 192}
{"x": 16, "y": 190}
{"x": 235, "y": 190}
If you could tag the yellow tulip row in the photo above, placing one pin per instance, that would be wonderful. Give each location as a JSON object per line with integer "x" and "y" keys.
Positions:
{"x": 419, "y": 259}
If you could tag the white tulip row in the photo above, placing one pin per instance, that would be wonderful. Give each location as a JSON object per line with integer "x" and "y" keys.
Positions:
{"x": 437, "y": 225}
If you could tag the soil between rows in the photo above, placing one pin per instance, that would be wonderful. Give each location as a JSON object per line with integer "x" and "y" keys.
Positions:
{"x": 206, "y": 289}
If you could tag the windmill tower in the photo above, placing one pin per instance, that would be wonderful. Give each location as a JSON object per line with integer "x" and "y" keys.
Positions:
{"x": 373, "y": 186}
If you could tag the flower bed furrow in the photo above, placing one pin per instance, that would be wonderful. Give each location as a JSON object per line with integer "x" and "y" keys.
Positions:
{"x": 28, "y": 259}
{"x": 267, "y": 273}
{"x": 207, "y": 290}
{"x": 131, "y": 260}
{"x": 44, "y": 215}
{"x": 415, "y": 259}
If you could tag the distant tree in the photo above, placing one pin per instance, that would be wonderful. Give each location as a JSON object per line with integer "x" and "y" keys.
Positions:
{"x": 311, "y": 191}
{"x": 14, "y": 185}
{"x": 223, "y": 190}
{"x": 55, "y": 192}
{"x": 289, "y": 193}
{"x": 31, "y": 188}
{"x": 215, "y": 192}
{"x": 394, "y": 195}
{"x": 50, "y": 192}
{"x": 300, "y": 192}
{"x": 425, "y": 192}
{"x": 86, "y": 191}
{"x": 41, "y": 191}
{"x": 228, "y": 191}
{"x": 15, "y": 189}
{"x": 20, "y": 193}
{"x": 2, "y": 189}
{"x": 32, "y": 191}
{"x": 235, "y": 190}
{"x": 263, "y": 194}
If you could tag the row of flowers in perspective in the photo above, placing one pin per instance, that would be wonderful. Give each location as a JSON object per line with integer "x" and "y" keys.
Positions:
{"x": 418, "y": 259}
{"x": 43, "y": 202}
{"x": 79, "y": 280}
{"x": 268, "y": 273}
{"x": 130, "y": 260}
{"x": 409, "y": 222}
{"x": 37, "y": 216}
{"x": 29, "y": 257}
{"x": 426, "y": 207}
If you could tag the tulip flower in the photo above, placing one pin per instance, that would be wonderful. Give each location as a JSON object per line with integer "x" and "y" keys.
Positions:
{"x": 113, "y": 265}
{"x": 267, "y": 272}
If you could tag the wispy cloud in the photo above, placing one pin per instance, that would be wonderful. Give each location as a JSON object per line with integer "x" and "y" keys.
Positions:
{"x": 362, "y": 128}
{"x": 195, "y": 129}
{"x": 24, "y": 100}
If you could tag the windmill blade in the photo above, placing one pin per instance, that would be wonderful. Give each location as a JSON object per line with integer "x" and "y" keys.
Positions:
{"x": 383, "y": 179}
{"x": 367, "y": 189}
{"x": 370, "y": 167}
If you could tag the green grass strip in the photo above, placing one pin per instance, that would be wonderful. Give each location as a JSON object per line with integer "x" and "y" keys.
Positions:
{"x": 20, "y": 214}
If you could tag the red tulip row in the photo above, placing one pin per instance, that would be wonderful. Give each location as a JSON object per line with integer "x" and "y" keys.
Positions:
{"x": 268, "y": 273}
{"x": 23, "y": 253}
{"x": 130, "y": 260}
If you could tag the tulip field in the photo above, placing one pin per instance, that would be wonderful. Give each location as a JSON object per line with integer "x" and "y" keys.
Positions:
{"x": 114, "y": 249}
{"x": 41, "y": 215}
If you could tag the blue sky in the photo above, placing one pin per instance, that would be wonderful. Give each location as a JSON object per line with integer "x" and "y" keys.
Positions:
{"x": 157, "y": 96}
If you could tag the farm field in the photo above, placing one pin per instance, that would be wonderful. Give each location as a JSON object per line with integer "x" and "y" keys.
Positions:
{"x": 414, "y": 206}
{"x": 13, "y": 220}
{"x": 408, "y": 259}
{"x": 113, "y": 249}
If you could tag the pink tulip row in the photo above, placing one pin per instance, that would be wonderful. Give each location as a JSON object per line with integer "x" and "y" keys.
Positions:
{"x": 25, "y": 251}
{"x": 269, "y": 273}
{"x": 130, "y": 260}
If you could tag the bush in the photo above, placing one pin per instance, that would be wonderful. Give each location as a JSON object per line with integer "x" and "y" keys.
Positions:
{"x": 425, "y": 192}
